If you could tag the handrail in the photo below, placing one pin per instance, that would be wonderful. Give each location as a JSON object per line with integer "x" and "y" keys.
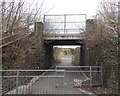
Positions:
{"x": 39, "y": 76}
{"x": 77, "y": 66}
{"x": 33, "y": 70}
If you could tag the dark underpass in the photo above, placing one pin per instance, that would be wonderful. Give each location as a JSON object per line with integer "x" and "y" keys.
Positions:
{"x": 49, "y": 44}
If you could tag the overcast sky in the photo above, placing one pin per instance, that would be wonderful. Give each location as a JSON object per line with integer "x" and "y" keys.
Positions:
{"x": 72, "y": 7}
{"x": 88, "y": 7}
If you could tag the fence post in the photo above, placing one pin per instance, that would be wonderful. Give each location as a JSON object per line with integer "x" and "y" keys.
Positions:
{"x": 17, "y": 82}
{"x": 64, "y": 82}
{"x": 101, "y": 76}
{"x": 90, "y": 76}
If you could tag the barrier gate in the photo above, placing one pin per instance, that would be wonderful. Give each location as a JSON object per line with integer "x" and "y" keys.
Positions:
{"x": 82, "y": 75}
{"x": 52, "y": 81}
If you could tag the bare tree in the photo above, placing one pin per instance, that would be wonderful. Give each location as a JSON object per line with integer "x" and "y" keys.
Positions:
{"x": 103, "y": 42}
{"x": 106, "y": 23}
{"x": 17, "y": 16}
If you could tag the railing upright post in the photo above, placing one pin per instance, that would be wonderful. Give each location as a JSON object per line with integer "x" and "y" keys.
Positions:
{"x": 90, "y": 76}
{"x": 64, "y": 23}
{"x": 17, "y": 82}
{"x": 44, "y": 19}
{"x": 85, "y": 21}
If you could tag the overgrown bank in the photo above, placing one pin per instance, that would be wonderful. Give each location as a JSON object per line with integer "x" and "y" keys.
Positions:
{"x": 102, "y": 50}
{"x": 103, "y": 43}
{"x": 26, "y": 53}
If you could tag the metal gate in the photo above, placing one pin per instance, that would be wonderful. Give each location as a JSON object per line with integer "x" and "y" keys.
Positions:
{"x": 31, "y": 82}
{"x": 54, "y": 81}
{"x": 82, "y": 75}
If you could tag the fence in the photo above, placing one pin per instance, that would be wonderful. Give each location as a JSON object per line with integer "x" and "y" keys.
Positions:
{"x": 20, "y": 82}
{"x": 82, "y": 75}
{"x": 64, "y": 24}
{"x": 52, "y": 81}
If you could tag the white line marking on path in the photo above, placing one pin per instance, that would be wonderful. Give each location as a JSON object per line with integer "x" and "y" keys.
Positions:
{"x": 84, "y": 91}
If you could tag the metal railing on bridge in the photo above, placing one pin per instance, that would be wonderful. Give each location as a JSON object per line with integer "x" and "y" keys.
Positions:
{"x": 65, "y": 24}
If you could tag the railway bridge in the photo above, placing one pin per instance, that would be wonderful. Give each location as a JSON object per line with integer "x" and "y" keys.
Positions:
{"x": 61, "y": 30}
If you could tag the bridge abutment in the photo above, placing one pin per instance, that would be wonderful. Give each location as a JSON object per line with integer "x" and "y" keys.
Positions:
{"x": 83, "y": 55}
{"x": 48, "y": 55}
{"x": 46, "y": 47}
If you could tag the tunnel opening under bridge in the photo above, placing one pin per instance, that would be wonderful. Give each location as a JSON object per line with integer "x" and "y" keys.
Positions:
{"x": 50, "y": 47}
{"x": 66, "y": 55}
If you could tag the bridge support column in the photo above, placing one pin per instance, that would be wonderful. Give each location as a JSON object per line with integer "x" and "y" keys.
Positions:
{"x": 48, "y": 55}
{"x": 82, "y": 55}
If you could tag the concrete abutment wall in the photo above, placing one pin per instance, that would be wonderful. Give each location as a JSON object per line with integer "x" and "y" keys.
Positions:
{"x": 46, "y": 48}
{"x": 83, "y": 55}
{"x": 48, "y": 55}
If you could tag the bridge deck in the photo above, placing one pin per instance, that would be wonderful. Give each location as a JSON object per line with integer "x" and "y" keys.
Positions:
{"x": 63, "y": 36}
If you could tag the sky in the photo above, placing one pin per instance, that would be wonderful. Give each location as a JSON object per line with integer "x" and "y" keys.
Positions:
{"x": 88, "y": 7}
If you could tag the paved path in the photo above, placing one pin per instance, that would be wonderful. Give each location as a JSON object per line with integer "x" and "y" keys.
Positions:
{"x": 66, "y": 61}
{"x": 55, "y": 85}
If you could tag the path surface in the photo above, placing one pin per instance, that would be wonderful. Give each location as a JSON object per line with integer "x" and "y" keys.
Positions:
{"x": 56, "y": 85}
{"x": 65, "y": 61}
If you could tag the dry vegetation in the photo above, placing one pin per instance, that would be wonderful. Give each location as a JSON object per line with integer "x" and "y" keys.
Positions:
{"x": 103, "y": 41}
{"x": 21, "y": 46}
{"x": 17, "y": 17}
{"x": 19, "y": 38}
